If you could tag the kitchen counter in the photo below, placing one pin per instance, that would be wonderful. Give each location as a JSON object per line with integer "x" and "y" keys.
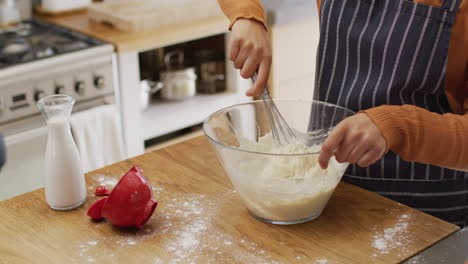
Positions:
{"x": 200, "y": 219}
{"x": 146, "y": 40}
{"x": 279, "y": 12}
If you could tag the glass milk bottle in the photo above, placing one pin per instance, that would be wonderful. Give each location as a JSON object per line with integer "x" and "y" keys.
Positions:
{"x": 65, "y": 186}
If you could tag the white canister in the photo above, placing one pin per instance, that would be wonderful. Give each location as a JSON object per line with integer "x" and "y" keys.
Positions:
{"x": 9, "y": 13}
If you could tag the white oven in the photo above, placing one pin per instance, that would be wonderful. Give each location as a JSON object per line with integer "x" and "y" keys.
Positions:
{"x": 26, "y": 141}
{"x": 88, "y": 75}
{"x": 24, "y": 168}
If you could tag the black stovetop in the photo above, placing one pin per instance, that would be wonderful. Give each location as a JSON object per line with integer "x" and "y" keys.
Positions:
{"x": 33, "y": 40}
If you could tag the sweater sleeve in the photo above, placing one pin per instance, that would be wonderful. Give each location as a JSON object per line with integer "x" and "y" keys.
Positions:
{"x": 235, "y": 9}
{"x": 419, "y": 135}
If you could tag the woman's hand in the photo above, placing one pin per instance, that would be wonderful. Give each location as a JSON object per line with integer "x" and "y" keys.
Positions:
{"x": 250, "y": 51}
{"x": 356, "y": 140}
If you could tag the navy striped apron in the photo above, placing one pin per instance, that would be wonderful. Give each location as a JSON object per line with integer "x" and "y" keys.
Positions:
{"x": 375, "y": 52}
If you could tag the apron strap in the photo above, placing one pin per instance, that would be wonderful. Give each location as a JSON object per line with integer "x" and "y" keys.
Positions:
{"x": 451, "y": 5}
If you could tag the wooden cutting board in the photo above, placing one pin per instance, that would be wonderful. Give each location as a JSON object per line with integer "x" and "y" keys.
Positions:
{"x": 200, "y": 219}
{"x": 141, "y": 15}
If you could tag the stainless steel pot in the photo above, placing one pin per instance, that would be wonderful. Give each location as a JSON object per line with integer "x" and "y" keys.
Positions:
{"x": 177, "y": 83}
{"x": 211, "y": 72}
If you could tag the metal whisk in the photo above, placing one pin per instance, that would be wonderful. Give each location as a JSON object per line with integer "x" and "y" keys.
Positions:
{"x": 280, "y": 130}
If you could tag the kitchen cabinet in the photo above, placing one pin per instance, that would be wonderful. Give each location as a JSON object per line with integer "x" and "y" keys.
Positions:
{"x": 200, "y": 219}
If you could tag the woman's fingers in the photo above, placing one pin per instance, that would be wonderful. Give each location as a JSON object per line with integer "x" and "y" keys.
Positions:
{"x": 250, "y": 50}
{"x": 241, "y": 57}
{"x": 355, "y": 140}
{"x": 357, "y": 153}
{"x": 369, "y": 158}
{"x": 234, "y": 49}
{"x": 262, "y": 79}
{"x": 349, "y": 144}
{"x": 331, "y": 144}
{"x": 249, "y": 67}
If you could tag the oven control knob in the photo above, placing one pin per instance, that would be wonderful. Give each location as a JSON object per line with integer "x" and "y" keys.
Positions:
{"x": 38, "y": 95}
{"x": 80, "y": 87}
{"x": 59, "y": 89}
{"x": 99, "y": 82}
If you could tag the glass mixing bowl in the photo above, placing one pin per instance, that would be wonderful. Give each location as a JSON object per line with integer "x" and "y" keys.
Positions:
{"x": 278, "y": 184}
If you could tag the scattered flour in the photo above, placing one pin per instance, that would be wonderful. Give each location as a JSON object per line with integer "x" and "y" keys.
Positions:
{"x": 321, "y": 261}
{"x": 108, "y": 181}
{"x": 195, "y": 236}
{"x": 394, "y": 237}
{"x": 185, "y": 228}
{"x": 93, "y": 243}
{"x": 158, "y": 261}
{"x": 88, "y": 251}
{"x": 379, "y": 244}
{"x": 157, "y": 188}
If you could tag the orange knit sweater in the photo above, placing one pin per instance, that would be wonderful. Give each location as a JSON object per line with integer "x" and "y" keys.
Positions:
{"x": 413, "y": 132}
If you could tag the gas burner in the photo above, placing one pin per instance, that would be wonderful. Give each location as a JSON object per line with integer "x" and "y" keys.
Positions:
{"x": 64, "y": 47}
{"x": 15, "y": 47}
{"x": 21, "y": 29}
{"x": 14, "y": 50}
{"x": 32, "y": 40}
{"x": 44, "y": 52}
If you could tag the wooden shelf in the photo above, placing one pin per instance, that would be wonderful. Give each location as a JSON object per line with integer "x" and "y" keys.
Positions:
{"x": 163, "y": 117}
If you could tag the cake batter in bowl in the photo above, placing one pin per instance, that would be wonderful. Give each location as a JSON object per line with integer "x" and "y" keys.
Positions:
{"x": 279, "y": 184}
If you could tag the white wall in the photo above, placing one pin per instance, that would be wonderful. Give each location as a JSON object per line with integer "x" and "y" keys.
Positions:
{"x": 294, "y": 52}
